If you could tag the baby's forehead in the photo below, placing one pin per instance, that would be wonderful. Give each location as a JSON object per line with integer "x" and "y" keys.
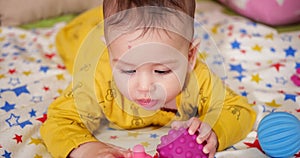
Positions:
{"x": 152, "y": 35}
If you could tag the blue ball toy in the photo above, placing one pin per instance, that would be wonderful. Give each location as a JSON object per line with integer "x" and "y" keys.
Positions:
{"x": 279, "y": 134}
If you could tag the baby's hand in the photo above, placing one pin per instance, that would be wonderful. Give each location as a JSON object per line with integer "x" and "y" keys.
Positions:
{"x": 205, "y": 134}
{"x": 99, "y": 150}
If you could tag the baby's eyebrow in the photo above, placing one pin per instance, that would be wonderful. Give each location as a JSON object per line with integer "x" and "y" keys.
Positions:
{"x": 122, "y": 62}
{"x": 166, "y": 62}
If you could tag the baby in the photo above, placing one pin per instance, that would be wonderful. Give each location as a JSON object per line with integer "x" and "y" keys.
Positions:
{"x": 149, "y": 75}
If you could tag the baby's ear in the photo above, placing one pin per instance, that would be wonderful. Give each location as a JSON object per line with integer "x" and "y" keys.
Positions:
{"x": 193, "y": 52}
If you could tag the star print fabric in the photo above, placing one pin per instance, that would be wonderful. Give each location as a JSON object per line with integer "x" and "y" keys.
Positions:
{"x": 254, "y": 60}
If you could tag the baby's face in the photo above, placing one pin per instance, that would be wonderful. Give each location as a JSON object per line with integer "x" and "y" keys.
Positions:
{"x": 150, "y": 69}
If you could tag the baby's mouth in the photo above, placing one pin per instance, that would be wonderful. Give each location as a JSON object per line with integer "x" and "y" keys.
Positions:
{"x": 147, "y": 102}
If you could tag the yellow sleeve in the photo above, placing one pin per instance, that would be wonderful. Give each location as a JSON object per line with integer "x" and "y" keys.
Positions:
{"x": 229, "y": 114}
{"x": 64, "y": 128}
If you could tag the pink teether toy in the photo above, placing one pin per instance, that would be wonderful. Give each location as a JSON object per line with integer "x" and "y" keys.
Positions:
{"x": 139, "y": 152}
{"x": 179, "y": 143}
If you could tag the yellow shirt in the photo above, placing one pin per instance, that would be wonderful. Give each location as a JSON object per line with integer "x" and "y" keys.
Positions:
{"x": 74, "y": 115}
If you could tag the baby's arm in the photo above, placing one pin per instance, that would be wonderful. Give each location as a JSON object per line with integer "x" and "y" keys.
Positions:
{"x": 64, "y": 131}
{"x": 228, "y": 114}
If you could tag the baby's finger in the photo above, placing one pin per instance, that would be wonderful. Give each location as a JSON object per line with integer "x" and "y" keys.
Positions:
{"x": 194, "y": 124}
{"x": 212, "y": 144}
{"x": 200, "y": 139}
{"x": 178, "y": 124}
{"x": 204, "y": 132}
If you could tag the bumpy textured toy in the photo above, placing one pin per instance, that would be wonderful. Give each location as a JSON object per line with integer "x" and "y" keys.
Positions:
{"x": 296, "y": 77}
{"x": 279, "y": 134}
{"x": 179, "y": 143}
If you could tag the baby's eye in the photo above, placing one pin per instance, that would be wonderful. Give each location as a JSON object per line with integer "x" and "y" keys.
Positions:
{"x": 162, "y": 71}
{"x": 128, "y": 71}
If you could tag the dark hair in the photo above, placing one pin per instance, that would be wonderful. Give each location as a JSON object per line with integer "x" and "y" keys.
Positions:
{"x": 123, "y": 16}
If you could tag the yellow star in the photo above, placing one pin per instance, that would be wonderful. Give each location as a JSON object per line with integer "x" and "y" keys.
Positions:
{"x": 38, "y": 156}
{"x": 2, "y": 38}
{"x": 60, "y": 91}
{"x": 22, "y": 36}
{"x": 269, "y": 36}
{"x": 145, "y": 144}
{"x": 30, "y": 59}
{"x": 256, "y": 78}
{"x": 203, "y": 55}
{"x": 214, "y": 30}
{"x": 257, "y": 48}
{"x": 50, "y": 46}
{"x": 273, "y": 104}
{"x": 36, "y": 141}
{"x": 270, "y": 61}
{"x": 2, "y": 76}
{"x": 60, "y": 77}
{"x": 131, "y": 134}
{"x": 26, "y": 73}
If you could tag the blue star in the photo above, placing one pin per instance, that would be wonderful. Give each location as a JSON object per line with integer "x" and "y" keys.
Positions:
{"x": 273, "y": 50}
{"x": 20, "y": 48}
{"x": 32, "y": 113}
{"x": 269, "y": 85}
{"x": 281, "y": 80}
{"x": 240, "y": 78}
{"x": 6, "y": 154}
{"x": 252, "y": 23}
{"x": 44, "y": 69}
{"x": 13, "y": 120}
{"x": 290, "y": 51}
{"x": 235, "y": 44}
{"x": 206, "y": 36}
{"x": 14, "y": 81}
{"x": 18, "y": 91}
{"x": 224, "y": 78}
{"x": 153, "y": 135}
{"x": 297, "y": 65}
{"x": 243, "y": 31}
{"x": 238, "y": 68}
{"x": 23, "y": 124}
{"x": 290, "y": 96}
{"x": 218, "y": 60}
{"x": 245, "y": 94}
{"x": 287, "y": 38}
{"x": 6, "y": 45}
{"x": 37, "y": 99}
{"x": 7, "y": 107}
